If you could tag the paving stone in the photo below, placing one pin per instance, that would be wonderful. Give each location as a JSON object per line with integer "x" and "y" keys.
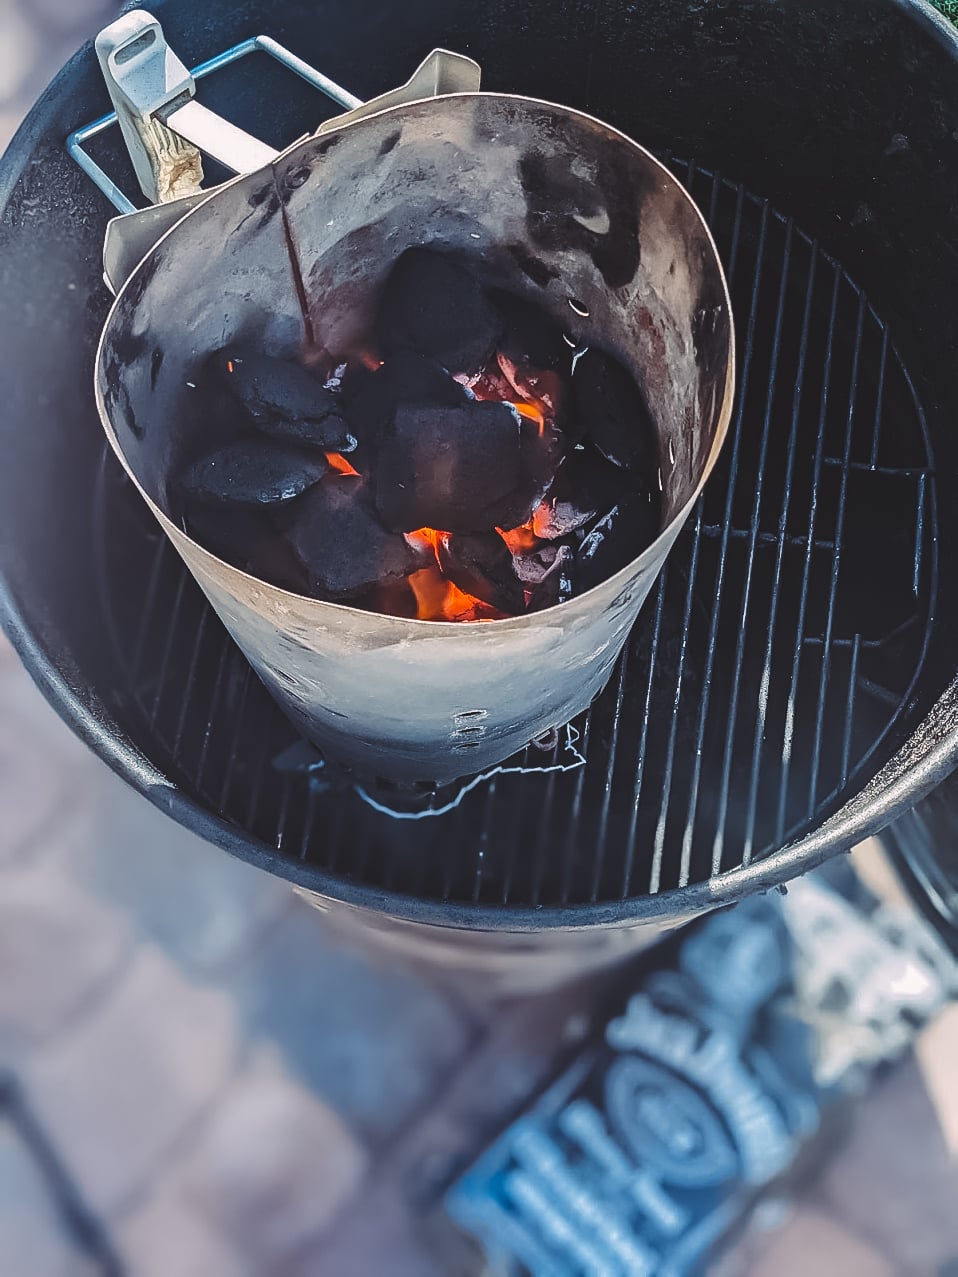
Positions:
{"x": 378, "y": 1236}
{"x": 273, "y": 1166}
{"x": 33, "y": 1242}
{"x": 373, "y": 1042}
{"x": 813, "y": 1242}
{"x": 59, "y": 948}
{"x": 41, "y": 770}
{"x": 937, "y": 1052}
{"x": 197, "y": 902}
{"x": 894, "y": 1181}
{"x": 170, "y": 1237}
{"x": 515, "y": 1059}
{"x": 201, "y": 905}
{"x": 133, "y": 1077}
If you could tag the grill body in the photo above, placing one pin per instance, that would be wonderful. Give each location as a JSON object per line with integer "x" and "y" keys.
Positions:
{"x": 790, "y": 686}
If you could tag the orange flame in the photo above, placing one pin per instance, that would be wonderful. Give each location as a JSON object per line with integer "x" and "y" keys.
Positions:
{"x": 426, "y": 539}
{"x": 532, "y": 413}
{"x": 339, "y": 463}
{"x": 519, "y": 540}
{"x": 438, "y": 598}
{"x": 492, "y": 385}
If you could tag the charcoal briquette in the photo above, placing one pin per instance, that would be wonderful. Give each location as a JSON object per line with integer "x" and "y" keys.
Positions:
{"x": 481, "y": 565}
{"x": 275, "y": 561}
{"x": 585, "y": 485}
{"x": 610, "y": 406}
{"x": 530, "y": 337}
{"x": 535, "y": 565}
{"x": 343, "y": 547}
{"x": 251, "y": 472}
{"x": 405, "y": 378}
{"x": 283, "y": 399}
{"x": 549, "y": 576}
{"x": 452, "y": 468}
{"x": 233, "y": 533}
{"x": 542, "y": 388}
{"x": 616, "y": 539}
{"x": 435, "y": 306}
{"x": 488, "y": 383}
{"x": 542, "y": 448}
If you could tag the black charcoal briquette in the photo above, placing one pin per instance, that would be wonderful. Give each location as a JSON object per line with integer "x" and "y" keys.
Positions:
{"x": 481, "y": 565}
{"x": 609, "y": 405}
{"x": 547, "y": 576}
{"x": 344, "y": 549}
{"x": 251, "y": 472}
{"x": 616, "y": 540}
{"x": 454, "y": 468}
{"x": 282, "y": 398}
{"x": 586, "y": 485}
{"x": 435, "y": 306}
{"x": 405, "y": 378}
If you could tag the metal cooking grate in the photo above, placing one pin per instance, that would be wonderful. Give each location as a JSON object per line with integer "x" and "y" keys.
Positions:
{"x": 766, "y": 677}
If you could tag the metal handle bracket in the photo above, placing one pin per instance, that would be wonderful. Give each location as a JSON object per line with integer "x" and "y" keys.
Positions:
{"x": 166, "y": 129}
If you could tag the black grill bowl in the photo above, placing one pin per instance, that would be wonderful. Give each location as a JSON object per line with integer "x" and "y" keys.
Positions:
{"x": 789, "y": 687}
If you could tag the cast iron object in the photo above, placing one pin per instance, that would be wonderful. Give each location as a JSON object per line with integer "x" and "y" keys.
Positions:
{"x": 843, "y": 116}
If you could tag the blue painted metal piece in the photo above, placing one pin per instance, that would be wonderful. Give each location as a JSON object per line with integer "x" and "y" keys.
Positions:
{"x": 256, "y": 44}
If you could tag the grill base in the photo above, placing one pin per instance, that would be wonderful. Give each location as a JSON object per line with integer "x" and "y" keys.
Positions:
{"x": 767, "y": 678}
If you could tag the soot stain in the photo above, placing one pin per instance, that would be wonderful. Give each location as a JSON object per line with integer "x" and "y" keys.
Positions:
{"x": 126, "y": 345}
{"x": 156, "y": 363}
{"x": 136, "y": 288}
{"x": 711, "y": 322}
{"x": 558, "y": 202}
{"x": 533, "y": 267}
{"x": 119, "y": 405}
{"x": 389, "y": 143}
{"x": 266, "y": 201}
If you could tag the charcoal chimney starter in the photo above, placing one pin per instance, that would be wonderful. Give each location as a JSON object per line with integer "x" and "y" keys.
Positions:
{"x": 542, "y": 201}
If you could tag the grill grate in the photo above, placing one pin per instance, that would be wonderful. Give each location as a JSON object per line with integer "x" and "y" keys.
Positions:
{"x": 768, "y": 675}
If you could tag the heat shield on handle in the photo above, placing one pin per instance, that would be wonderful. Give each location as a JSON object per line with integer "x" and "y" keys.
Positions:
{"x": 143, "y": 76}
{"x": 166, "y": 129}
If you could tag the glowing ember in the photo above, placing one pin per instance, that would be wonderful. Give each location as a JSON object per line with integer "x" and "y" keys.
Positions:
{"x": 438, "y": 598}
{"x": 532, "y": 413}
{"x": 426, "y": 539}
{"x": 540, "y": 387}
{"x": 339, "y": 463}
{"x": 491, "y": 385}
{"x": 519, "y": 540}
